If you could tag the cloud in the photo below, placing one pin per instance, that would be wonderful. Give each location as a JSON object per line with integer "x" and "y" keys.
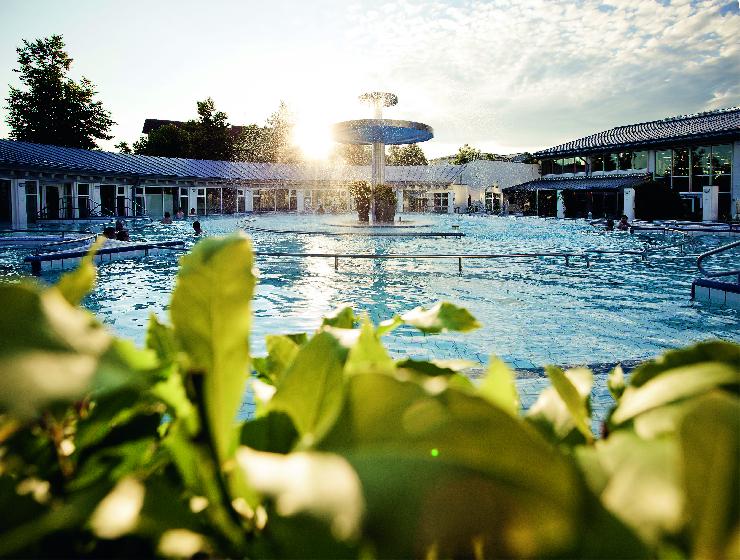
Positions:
{"x": 533, "y": 73}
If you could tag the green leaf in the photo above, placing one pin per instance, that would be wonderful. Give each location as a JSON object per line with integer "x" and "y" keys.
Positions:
{"x": 498, "y": 386}
{"x": 368, "y": 354}
{"x": 442, "y": 317}
{"x": 711, "y": 351}
{"x": 564, "y": 421}
{"x": 311, "y": 391}
{"x": 211, "y": 313}
{"x": 435, "y": 367}
{"x": 50, "y": 352}
{"x": 710, "y": 443}
{"x": 642, "y": 483}
{"x": 342, "y": 317}
{"x": 281, "y": 350}
{"x": 615, "y": 382}
{"x": 574, "y": 394}
{"x": 273, "y": 432}
{"x": 446, "y": 469}
{"x": 76, "y": 284}
{"x": 322, "y": 485}
{"x": 161, "y": 339}
{"x": 673, "y": 385}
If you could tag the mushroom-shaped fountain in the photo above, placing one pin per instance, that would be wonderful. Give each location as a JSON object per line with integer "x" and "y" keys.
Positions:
{"x": 379, "y": 132}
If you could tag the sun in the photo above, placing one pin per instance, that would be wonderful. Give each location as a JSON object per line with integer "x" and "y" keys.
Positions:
{"x": 313, "y": 138}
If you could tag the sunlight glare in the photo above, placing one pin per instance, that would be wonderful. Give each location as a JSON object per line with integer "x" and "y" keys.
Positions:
{"x": 313, "y": 138}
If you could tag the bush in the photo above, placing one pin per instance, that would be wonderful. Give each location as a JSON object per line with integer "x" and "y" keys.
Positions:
{"x": 107, "y": 449}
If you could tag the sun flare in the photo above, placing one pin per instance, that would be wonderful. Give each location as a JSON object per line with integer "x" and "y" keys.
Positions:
{"x": 314, "y": 139}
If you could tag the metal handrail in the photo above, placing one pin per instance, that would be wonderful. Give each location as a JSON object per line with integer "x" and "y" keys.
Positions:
{"x": 336, "y": 256}
{"x": 54, "y": 244}
{"x": 715, "y": 251}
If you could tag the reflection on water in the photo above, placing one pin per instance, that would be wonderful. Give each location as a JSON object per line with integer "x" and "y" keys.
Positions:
{"x": 533, "y": 311}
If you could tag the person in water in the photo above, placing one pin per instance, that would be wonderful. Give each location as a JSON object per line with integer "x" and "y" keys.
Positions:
{"x": 180, "y": 214}
{"x": 610, "y": 225}
{"x": 167, "y": 218}
{"x": 192, "y": 212}
{"x": 320, "y": 210}
{"x": 196, "y": 227}
{"x": 623, "y": 224}
{"x": 121, "y": 231}
{"x": 109, "y": 232}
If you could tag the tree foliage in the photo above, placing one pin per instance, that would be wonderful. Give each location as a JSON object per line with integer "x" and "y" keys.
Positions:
{"x": 208, "y": 137}
{"x": 410, "y": 154}
{"x": 51, "y": 107}
{"x": 353, "y": 154}
{"x": 111, "y": 450}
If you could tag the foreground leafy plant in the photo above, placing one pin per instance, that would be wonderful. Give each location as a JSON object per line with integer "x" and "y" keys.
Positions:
{"x": 108, "y": 449}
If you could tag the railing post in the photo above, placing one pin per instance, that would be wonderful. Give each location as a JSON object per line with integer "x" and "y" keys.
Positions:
{"x": 459, "y": 264}
{"x": 336, "y": 262}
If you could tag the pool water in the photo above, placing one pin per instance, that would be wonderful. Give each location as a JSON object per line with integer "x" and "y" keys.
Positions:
{"x": 533, "y": 311}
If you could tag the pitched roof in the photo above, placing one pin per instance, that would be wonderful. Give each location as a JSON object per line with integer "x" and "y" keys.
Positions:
{"x": 26, "y": 155}
{"x": 722, "y": 123}
{"x": 582, "y": 183}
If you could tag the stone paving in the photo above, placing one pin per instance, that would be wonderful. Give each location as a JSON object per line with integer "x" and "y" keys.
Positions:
{"x": 530, "y": 382}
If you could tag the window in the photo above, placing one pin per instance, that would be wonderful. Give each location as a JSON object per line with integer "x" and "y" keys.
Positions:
{"x": 722, "y": 166}
{"x": 639, "y": 160}
{"x": 32, "y": 202}
{"x": 700, "y": 167}
{"x": 624, "y": 161}
{"x": 440, "y": 202}
{"x": 184, "y": 199}
{"x": 546, "y": 166}
{"x": 681, "y": 162}
{"x": 610, "y": 162}
{"x": 557, "y": 166}
{"x": 580, "y": 165}
{"x": 568, "y": 164}
{"x": 597, "y": 163}
{"x": 213, "y": 200}
{"x": 663, "y": 164}
{"x": 241, "y": 206}
{"x": 83, "y": 200}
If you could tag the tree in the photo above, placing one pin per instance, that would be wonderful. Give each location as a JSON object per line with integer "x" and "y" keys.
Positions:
{"x": 252, "y": 144}
{"x": 53, "y": 108}
{"x": 411, "y": 154}
{"x": 353, "y": 154}
{"x": 170, "y": 140}
{"x": 211, "y": 136}
{"x": 123, "y": 148}
{"x": 279, "y": 147}
{"x": 467, "y": 154}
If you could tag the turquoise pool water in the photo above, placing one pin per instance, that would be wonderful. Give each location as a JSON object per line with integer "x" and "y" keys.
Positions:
{"x": 534, "y": 311}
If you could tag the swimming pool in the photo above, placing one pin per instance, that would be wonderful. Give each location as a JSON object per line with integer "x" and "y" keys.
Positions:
{"x": 534, "y": 311}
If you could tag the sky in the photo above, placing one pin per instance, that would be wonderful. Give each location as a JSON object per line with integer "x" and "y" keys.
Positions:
{"x": 504, "y": 76}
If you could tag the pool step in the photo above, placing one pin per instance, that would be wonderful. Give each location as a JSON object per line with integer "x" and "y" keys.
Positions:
{"x": 716, "y": 292}
{"x": 111, "y": 251}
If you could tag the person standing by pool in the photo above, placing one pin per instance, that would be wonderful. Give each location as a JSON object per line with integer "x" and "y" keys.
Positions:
{"x": 121, "y": 231}
{"x": 196, "y": 227}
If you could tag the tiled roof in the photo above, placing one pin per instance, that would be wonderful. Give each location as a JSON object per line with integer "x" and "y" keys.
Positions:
{"x": 583, "y": 183}
{"x": 56, "y": 159}
{"x": 722, "y": 123}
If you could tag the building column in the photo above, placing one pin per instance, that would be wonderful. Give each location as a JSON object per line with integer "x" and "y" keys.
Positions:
{"x": 450, "y": 202}
{"x": 399, "y": 200}
{"x": 710, "y": 203}
{"x": 735, "y": 189}
{"x": 651, "y": 162}
{"x": 18, "y": 203}
{"x": 300, "y": 198}
{"x": 248, "y": 200}
{"x": 95, "y": 198}
{"x": 192, "y": 200}
{"x": 629, "y": 203}
{"x": 560, "y": 203}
